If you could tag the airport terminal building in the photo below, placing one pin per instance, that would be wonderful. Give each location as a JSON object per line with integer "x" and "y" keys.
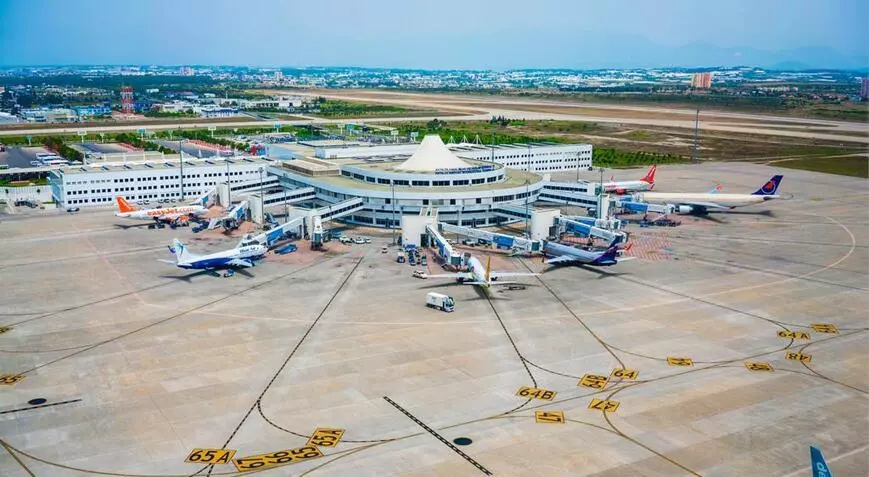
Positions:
{"x": 374, "y": 187}
{"x": 533, "y": 157}
{"x": 148, "y": 181}
{"x": 465, "y": 191}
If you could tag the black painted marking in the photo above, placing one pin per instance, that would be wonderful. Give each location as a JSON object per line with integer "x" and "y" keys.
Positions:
{"x": 42, "y": 405}
{"x": 439, "y": 437}
{"x": 37, "y": 401}
{"x": 462, "y": 441}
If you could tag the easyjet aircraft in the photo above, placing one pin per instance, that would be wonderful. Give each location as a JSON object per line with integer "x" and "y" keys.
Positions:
{"x": 162, "y": 214}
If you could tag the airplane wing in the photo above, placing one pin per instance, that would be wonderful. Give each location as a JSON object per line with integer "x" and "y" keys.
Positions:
{"x": 240, "y": 263}
{"x": 466, "y": 276}
{"x": 171, "y": 262}
{"x": 512, "y": 274}
{"x": 561, "y": 260}
{"x": 705, "y": 205}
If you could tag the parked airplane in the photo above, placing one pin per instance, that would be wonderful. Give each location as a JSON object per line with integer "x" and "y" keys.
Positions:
{"x": 567, "y": 255}
{"x": 624, "y": 187}
{"x": 162, "y": 214}
{"x": 819, "y": 465}
{"x": 699, "y": 204}
{"x": 242, "y": 256}
{"x": 482, "y": 276}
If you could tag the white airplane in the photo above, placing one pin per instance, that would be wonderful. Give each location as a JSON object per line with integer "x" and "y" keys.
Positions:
{"x": 161, "y": 214}
{"x": 690, "y": 203}
{"x": 482, "y": 276}
{"x": 624, "y": 187}
{"x": 243, "y": 256}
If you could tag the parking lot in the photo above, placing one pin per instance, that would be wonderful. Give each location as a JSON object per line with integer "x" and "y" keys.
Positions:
{"x": 21, "y": 157}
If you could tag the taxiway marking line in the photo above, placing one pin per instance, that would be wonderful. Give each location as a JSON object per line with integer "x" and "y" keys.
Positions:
{"x": 438, "y": 436}
{"x": 39, "y": 406}
{"x": 29, "y": 472}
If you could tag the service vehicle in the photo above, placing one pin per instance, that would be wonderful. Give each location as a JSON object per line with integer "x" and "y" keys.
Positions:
{"x": 419, "y": 274}
{"x": 439, "y": 301}
{"x": 359, "y": 240}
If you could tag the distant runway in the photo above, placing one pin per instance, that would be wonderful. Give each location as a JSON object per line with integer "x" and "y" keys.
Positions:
{"x": 470, "y": 107}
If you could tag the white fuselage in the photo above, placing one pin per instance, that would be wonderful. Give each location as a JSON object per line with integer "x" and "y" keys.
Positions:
{"x": 477, "y": 270}
{"x": 721, "y": 200}
{"x": 221, "y": 259}
{"x": 165, "y": 212}
{"x": 627, "y": 186}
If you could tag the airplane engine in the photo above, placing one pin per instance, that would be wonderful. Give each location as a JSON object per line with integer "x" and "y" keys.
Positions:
{"x": 684, "y": 209}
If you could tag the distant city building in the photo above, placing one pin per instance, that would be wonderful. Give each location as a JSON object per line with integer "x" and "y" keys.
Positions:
{"x": 279, "y": 75}
{"x": 701, "y": 80}
{"x": 176, "y": 107}
{"x": 216, "y": 112}
{"x": 864, "y": 89}
{"x": 48, "y": 115}
{"x": 186, "y": 71}
{"x": 91, "y": 111}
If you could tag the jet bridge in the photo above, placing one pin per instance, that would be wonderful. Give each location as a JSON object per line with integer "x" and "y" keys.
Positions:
{"x": 329, "y": 212}
{"x": 501, "y": 240}
{"x": 443, "y": 247}
{"x": 269, "y": 237}
{"x": 643, "y": 207}
{"x": 235, "y": 216}
{"x": 284, "y": 196}
{"x": 590, "y": 227}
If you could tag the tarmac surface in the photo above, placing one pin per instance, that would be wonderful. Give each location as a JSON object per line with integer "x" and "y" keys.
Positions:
{"x": 140, "y": 363}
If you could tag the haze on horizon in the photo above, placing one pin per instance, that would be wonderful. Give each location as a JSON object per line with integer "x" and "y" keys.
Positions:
{"x": 446, "y": 34}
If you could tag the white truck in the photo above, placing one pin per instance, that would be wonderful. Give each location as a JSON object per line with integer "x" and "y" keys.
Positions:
{"x": 439, "y": 301}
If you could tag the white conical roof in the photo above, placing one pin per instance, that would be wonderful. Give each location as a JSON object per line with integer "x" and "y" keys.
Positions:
{"x": 431, "y": 155}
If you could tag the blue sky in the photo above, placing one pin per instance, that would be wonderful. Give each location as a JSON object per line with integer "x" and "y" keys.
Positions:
{"x": 441, "y": 34}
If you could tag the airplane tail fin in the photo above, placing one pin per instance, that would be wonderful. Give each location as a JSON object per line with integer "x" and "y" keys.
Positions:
{"x": 612, "y": 251}
{"x": 123, "y": 205}
{"x": 819, "y": 465}
{"x": 179, "y": 250}
{"x": 488, "y": 268}
{"x": 650, "y": 176}
{"x": 771, "y": 186}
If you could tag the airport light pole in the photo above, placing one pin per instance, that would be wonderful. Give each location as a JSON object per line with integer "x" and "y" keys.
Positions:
{"x": 526, "y": 208}
{"x": 262, "y": 204}
{"x": 181, "y": 162}
{"x": 228, "y": 187}
{"x": 577, "y": 166}
{"x": 528, "y": 162}
{"x": 392, "y": 224}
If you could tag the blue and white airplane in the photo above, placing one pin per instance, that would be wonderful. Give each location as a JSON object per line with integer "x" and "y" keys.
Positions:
{"x": 567, "y": 255}
{"x": 819, "y": 465}
{"x": 243, "y": 256}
